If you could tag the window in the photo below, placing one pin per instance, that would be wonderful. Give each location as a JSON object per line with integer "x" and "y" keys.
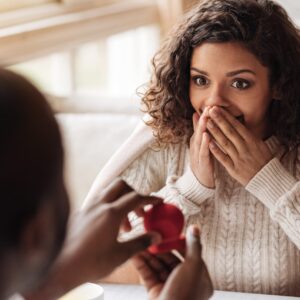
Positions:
{"x": 70, "y": 26}
{"x": 101, "y": 75}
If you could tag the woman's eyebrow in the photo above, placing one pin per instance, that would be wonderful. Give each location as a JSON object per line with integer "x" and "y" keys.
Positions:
{"x": 229, "y": 74}
{"x": 236, "y": 72}
{"x": 199, "y": 71}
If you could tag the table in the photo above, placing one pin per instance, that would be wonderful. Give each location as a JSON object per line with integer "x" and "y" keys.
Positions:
{"x": 137, "y": 292}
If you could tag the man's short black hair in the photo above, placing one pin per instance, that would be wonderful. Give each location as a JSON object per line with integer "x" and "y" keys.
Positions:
{"x": 31, "y": 153}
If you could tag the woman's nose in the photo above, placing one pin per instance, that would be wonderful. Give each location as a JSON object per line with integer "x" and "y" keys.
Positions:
{"x": 216, "y": 97}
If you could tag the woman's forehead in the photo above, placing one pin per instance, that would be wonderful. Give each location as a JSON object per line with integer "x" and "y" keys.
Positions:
{"x": 225, "y": 57}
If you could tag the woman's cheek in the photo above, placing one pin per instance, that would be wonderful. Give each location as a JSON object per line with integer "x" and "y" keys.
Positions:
{"x": 195, "y": 100}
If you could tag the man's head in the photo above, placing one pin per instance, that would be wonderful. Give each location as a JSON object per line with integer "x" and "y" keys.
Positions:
{"x": 34, "y": 203}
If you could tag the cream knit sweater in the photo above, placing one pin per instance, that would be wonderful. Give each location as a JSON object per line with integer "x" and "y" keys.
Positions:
{"x": 250, "y": 235}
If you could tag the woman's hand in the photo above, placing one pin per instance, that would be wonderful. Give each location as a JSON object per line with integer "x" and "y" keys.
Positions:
{"x": 235, "y": 147}
{"x": 201, "y": 159}
{"x": 167, "y": 278}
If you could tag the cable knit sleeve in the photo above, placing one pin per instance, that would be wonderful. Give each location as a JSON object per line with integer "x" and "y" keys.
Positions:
{"x": 163, "y": 174}
{"x": 278, "y": 190}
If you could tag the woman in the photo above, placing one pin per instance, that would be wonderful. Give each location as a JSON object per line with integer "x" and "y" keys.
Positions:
{"x": 225, "y": 113}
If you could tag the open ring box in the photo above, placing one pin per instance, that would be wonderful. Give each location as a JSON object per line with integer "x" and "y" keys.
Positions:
{"x": 167, "y": 220}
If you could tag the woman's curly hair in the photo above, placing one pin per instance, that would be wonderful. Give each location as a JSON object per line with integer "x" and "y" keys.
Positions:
{"x": 263, "y": 27}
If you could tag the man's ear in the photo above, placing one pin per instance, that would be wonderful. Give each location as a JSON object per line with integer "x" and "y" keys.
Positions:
{"x": 37, "y": 237}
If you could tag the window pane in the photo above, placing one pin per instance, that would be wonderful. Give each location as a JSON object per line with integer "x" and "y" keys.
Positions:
{"x": 52, "y": 74}
{"x": 90, "y": 67}
{"x": 117, "y": 65}
{"x": 103, "y": 75}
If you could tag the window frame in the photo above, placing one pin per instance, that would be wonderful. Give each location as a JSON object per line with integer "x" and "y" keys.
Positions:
{"x": 6, "y": 6}
{"x": 63, "y": 27}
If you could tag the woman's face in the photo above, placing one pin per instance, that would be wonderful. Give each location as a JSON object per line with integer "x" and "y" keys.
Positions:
{"x": 229, "y": 76}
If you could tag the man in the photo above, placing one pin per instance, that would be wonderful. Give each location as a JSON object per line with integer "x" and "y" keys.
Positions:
{"x": 34, "y": 260}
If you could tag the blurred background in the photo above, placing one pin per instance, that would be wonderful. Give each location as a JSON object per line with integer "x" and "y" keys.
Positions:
{"x": 89, "y": 57}
{"x": 86, "y": 55}
{"x": 84, "y": 52}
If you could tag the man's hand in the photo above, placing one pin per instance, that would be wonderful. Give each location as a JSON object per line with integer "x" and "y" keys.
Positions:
{"x": 166, "y": 278}
{"x": 92, "y": 249}
{"x": 93, "y": 232}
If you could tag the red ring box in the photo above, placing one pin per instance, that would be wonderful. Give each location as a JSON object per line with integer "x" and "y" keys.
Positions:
{"x": 167, "y": 220}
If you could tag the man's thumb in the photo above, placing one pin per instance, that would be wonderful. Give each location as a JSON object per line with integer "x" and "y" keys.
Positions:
{"x": 193, "y": 243}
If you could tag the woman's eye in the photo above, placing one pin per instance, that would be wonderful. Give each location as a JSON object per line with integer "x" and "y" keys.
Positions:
{"x": 241, "y": 84}
{"x": 200, "y": 81}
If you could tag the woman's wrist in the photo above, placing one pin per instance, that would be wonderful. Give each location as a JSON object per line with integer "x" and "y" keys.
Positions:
{"x": 189, "y": 186}
{"x": 271, "y": 182}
